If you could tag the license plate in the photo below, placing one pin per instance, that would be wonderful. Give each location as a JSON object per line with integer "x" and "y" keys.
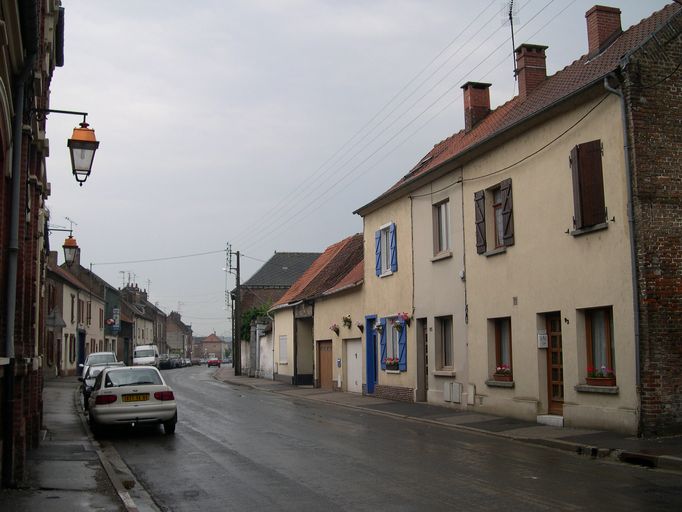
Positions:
{"x": 140, "y": 397}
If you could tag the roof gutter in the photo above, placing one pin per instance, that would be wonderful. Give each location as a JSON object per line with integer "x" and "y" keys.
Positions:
{"x": 284, "y": 306}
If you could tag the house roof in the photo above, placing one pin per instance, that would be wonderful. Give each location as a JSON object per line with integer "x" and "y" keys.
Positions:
{"x": 354, "y": 278}
{"x": 282, "y": 270}
{"x": 67, "y": 276}
{"x": 327, "y": 271}
{"x": 555, "y": 89}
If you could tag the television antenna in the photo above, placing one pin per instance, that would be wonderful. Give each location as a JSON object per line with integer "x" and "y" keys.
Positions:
{"x": 510, "y": 14}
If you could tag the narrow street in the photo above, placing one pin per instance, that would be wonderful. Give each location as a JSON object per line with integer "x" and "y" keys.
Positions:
{"x": 241, "y": 449}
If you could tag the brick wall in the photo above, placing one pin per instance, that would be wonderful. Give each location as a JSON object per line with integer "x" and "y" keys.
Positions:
{"x": 399, "y": 394}
{"x": 653, "y": 90}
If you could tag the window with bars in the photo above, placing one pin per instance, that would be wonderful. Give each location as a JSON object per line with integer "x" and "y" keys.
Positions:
{"x": 445, "y": 358}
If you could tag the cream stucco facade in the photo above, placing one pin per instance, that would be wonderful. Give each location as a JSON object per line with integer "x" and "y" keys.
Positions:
{"x": 439, "y": 291}
{"x": 550, "y": 269}
{"x": 330, "y": 310}
{"x": 389, "y": 294}
{"x": 283, "y": 340}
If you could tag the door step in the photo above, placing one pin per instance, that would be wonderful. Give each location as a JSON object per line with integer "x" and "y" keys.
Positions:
{"x": 551, "y": 420}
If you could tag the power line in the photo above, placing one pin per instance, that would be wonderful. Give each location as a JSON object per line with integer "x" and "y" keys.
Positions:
{"x": 166, "y": 258}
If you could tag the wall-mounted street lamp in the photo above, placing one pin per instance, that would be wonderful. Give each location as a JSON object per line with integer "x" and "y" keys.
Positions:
{"x": 82, "y": 144}
{"x": 70, "y": 246}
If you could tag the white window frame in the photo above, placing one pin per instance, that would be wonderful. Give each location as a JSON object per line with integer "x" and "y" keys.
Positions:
{"x": 283, "y": 349}
{"x": 385, "y": 243}
{"x": 445, "y": 343}
{"x": 442, "y": 227}
{"x": 392, "y": 339}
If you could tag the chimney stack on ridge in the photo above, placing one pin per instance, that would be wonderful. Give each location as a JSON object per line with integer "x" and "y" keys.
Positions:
{"x": 530, "y": 67}
{"x": 603, "y": 26}
{"x": 476, "y": 103}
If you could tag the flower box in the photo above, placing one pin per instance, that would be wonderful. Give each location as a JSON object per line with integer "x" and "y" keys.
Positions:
{"x": 503, "y": 377}
{"x": 600, "y": 381}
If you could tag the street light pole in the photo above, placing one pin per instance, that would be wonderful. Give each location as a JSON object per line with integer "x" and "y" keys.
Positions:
{"x": 238, "y": 322}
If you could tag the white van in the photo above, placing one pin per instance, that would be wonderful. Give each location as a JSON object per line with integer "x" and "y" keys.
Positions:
{"x": 146, "y": 355}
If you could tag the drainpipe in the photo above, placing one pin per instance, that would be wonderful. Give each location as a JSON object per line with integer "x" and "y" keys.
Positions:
{"x": 12, "y": 265}
{"x": 631, "y": 219}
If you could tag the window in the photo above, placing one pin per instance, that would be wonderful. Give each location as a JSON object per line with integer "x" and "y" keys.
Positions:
{"x": 283, "y": 354}
{"x": 73, "y": 308}
{"x": 101, "y": 318}
{"x": 89, "y": 313}
{"x": 503, "y": 342}
{"x": 444, "y": 341}
{"x": 441, "y": 225}
{"x": 81, "y": 307}
{"x": 588, "y": 185}
{"x": 598, "y": 327}
{"x": 386, "y": 250}
{"x": 496, "y": 203}
{"x": 393, "y": 342}
{"x": 72, "y": 348}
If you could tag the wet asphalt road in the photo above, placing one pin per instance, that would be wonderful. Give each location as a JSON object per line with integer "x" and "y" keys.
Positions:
{"x": 242, "y": 449}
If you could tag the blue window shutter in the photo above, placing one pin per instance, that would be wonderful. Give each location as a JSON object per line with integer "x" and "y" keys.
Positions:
{"x": 377, "y": 250}
{"x": 402, "y": 348}
{"x": 394, "y": 248}
{"x": 382, "y": 343}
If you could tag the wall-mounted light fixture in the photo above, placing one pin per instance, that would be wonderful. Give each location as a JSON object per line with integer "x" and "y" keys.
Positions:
{"x": 70, "y": 246}
{"x": 82, "y": 144}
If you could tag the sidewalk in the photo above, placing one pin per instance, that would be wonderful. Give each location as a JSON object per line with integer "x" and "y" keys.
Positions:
{"x": 662, "y": 453}
{"x": 65, "y": 473}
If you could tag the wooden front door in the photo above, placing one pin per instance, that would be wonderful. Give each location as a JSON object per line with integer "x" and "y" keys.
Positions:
{"x": 325, "y": 364}
{"x": 555, "y": 365}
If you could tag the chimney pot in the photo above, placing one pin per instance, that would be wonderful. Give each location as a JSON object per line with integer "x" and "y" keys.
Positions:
{"x": 603, "y": 26}
{"x": 476, "y": 103}
{"x": 531, "y": 67}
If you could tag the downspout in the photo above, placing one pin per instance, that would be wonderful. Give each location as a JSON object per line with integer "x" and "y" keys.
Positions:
{"x": 12, "y": 266}
{"x": 631, "y": 220}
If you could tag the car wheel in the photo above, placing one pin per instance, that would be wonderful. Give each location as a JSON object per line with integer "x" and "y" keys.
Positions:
{"x": 169, "y": 426}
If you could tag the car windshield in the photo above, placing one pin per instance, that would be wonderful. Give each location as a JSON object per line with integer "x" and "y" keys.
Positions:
{"x": 101, "y": 358}
{"x": 144, "y": 353}
{"x": 132, "y": 377}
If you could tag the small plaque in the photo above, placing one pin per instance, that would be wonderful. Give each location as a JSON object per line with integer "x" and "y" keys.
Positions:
{"x": 543, "y": 341}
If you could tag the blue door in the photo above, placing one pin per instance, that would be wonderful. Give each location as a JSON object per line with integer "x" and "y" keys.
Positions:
{"x": 371, "y": 351}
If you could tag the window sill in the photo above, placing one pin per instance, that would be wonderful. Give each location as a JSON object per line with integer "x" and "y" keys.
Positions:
{"x": 394, "y": 372}
{"x": 495, "y": 252}
{"x": 445, "y": 373}
{"x": 386, "y": 274}
{"x": 602, "y": 390}
{"x": 499, "y": 384}
{"x": 441, "y": 256}
{"x": 283, "y": 364}
{"x": 591, "y": 229}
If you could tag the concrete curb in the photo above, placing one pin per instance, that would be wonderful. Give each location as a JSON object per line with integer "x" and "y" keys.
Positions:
{"x": 112, "y": 474}
{"x": 663, "y": 462}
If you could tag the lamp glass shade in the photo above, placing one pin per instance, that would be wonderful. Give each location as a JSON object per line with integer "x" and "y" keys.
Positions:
{"x": 82, "y": 146}
{"x": 70, "y": 250}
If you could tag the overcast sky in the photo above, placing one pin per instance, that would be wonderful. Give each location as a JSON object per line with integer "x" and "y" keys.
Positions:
{"x": 265, "y": 123}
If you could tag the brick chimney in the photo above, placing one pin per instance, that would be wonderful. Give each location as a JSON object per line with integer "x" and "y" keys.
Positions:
{"x": 531, "y": 68}
{"x": 476, "y": 103}
{"x": 603, "y": 26}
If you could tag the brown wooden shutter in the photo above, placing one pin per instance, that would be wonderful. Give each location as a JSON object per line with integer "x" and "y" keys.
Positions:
{"x": 479, "y": 207}
{"x": 588, "y": 184}
{"x": 507, "y": 212}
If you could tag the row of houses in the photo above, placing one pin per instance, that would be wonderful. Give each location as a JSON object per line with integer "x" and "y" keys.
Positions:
{"x": 86, "y": 314}
{"x": 528, "y": 265}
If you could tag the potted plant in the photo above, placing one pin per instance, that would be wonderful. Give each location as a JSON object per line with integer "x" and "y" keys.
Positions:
{"x": 405, "y": 318}
{"x": 397, "y": 324}
{"x": 392, "y": 363}
{"x": 335, "y": 328}
{"x": 378, "y": 327}
{"x": 503, "y": 373}
{"x": 601, "y": 376}
{"x": 347, "y": 321}
{"x": 360, "y": 326}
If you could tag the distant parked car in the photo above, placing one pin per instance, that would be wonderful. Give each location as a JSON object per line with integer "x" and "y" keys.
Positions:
{"x": 97, "y": 358}
{"x": 88, "y": 379}
{"x": 213, "y": 361}
{"x": 175, "y": 361}
{"x": 164, "y": 362}
{"x": 131, "y": 395}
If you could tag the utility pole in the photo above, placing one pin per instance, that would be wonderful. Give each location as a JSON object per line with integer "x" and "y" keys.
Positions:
{"x": 236, "y": 312}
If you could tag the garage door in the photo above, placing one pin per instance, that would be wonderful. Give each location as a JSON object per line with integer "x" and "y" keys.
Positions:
{"x": 353, "y": 360}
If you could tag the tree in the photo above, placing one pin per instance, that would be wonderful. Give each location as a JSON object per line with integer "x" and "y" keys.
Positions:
{"x": 251, "y": 314}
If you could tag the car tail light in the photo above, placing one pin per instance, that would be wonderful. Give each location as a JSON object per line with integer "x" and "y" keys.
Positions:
{"x": 164, "y": 395}
{"x": 105, "y": 399}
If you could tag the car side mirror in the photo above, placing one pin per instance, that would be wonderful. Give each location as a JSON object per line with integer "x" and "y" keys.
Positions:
{"x": 80, "y": 379}
{"x": 80, "y": 365}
